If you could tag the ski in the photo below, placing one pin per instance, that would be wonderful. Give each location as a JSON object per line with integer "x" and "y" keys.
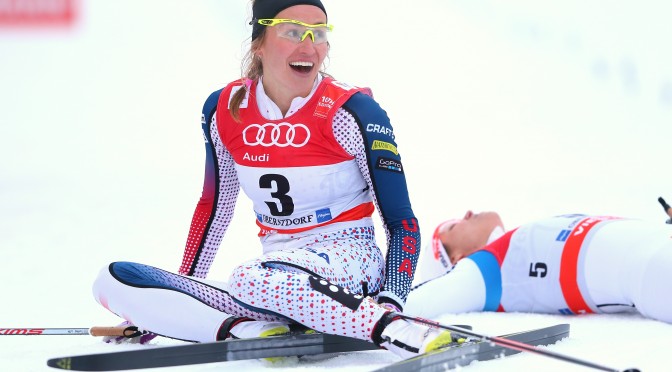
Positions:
{"x": 441, "y": 360}
{"x": 298, "y": 344}
{"x": 210, "y": 352}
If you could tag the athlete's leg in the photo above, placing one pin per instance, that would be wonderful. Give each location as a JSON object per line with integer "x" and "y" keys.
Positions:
{"x": 169, "y": 304}
{"x": 287, "y": 282}
{"x": 287, "y": 289}
{"x": 302, "y": 284}
{"x": 620, "y": 264}
{"x": 654, "y": 297}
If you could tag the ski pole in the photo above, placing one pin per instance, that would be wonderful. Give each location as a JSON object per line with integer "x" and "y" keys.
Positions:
{"x": 666, "y": 208}
{"x": 520, "y": 346}
{"x": 128, "y": 332}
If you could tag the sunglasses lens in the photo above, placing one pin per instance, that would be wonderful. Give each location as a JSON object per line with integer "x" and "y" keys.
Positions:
{"x": 298, "y": 33}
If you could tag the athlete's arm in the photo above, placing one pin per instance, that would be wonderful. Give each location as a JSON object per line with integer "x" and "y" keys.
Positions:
{"x": 366, "y": 133}
{"x": 215, "y": 208}
{"x": 459, "y": 291}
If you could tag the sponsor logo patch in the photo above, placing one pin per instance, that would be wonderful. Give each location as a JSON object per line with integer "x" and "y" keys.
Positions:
{"x": 326, "y": 102}
{"x": 255, "y": 158}
{"x": 323, "y": 215}
{"x": 564, "y": 234}
{"x": 284, "y": 222}
{"x": 389, "y": 165}
{"x": 382, "y": 145}
{"x": 377, "y": 128}
{"x": 280, "y": 135}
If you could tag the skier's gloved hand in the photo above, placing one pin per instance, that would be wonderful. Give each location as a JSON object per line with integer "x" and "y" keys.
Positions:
{"x": 407, "y": 338}
{"x": 390, "y": 306}
{"x": 389, "y": 303}
{"x": 132, "y": 335}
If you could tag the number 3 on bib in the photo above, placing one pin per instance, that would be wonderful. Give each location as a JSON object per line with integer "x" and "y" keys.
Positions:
{"x": 284, "y": 206}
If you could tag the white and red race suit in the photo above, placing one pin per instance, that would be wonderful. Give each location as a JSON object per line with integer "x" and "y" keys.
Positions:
{"x": 570, "y": 264}
{"x": 315, "y": 175}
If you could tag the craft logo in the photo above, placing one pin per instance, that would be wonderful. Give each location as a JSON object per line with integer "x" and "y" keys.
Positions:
{"x": 389, "y": 165}
{"x": 382, "y": 145}
{"x": 38, "y": 13}
{"x": 377, "y": 128}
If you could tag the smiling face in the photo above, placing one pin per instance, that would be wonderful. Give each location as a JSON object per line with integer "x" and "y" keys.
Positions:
{"x": 468, "y": 234}
{"x": 290, "y": 68}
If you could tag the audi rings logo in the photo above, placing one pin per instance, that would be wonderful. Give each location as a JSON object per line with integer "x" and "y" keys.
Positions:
{"x": 281, "y": 135}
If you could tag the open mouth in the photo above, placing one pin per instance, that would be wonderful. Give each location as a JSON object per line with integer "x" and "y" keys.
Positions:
{"x": 302, "y": 67}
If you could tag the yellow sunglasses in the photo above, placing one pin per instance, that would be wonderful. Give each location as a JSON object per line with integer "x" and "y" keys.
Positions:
{"x": 297, "y": 31}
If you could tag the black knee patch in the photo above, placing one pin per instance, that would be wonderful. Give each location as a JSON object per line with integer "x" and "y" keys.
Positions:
{"x": 338, "y": 293}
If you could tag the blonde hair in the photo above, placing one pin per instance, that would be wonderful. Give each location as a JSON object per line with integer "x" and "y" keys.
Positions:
{"x": 252, "y": 69}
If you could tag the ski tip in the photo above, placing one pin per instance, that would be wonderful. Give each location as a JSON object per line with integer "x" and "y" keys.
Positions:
{"x": 632, "y": 370}
{"x": 60, "y": 363}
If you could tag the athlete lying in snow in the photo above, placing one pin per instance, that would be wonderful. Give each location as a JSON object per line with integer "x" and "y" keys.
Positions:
{"x": 571, "y": 264}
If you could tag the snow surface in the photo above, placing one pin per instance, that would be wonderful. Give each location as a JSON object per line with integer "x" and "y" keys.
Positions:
{"x": 531, "y": 109}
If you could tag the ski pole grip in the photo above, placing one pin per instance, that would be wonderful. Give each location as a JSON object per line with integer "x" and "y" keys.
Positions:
{"x": 666, "y": 206}
{"x": 109, "y": 331}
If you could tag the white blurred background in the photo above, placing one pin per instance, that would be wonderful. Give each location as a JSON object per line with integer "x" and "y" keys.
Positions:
{"x": 528, "y": 108}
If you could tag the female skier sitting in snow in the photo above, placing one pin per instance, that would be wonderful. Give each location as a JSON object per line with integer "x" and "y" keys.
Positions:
{"x": 316, "y": 157}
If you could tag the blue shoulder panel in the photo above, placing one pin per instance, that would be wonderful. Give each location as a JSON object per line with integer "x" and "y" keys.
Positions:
{"x": 492, "y": 276}
{"x": 385, "y": 167}
{"x": 210, "y": 106}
